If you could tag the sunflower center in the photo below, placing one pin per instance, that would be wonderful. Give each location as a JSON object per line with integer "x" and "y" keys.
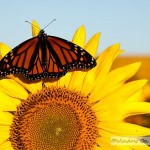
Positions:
{"x": 55, "y": 127}
{"x": 54, "y": 119}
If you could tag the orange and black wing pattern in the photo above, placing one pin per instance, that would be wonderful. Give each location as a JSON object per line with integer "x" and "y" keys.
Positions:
{"x": 23, "y": 59}
{"x": 45, "y": 56}
{"x": 68, "y": 54}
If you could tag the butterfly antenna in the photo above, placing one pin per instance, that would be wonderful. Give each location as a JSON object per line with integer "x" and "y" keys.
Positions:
{"x": 32, "y": 24}
{"x": 50, "y": 23}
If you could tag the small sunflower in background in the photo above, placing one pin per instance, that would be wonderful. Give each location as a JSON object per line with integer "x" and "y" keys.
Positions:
{"x": 80, "y": 111}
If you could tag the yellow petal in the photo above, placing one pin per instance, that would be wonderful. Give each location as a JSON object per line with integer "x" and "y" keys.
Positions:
{"x": 8, "y": 103}
{"x": 124, "y": 129}
{"x": 6, "y": 146}
{"x": 80, "y": 36}
{"x": 65, "y": 80}
{"x": 124, "y": 110}
{"x": 4, "y": 49}
{"x": 118, "y": 96}
{"x": 122, "y": 147}
{"x": 13, "y": 89}
{"x": 92, "y": 45}
{"x": 98, "y": 74}
{"x": 104, "y": 143}
{"x": 137, "y": 97}
{"x": 5, "y": 118}
{"x": 127, "y": 109}
{"x": 31, "y": 86}
{"x": 124, "y": 73}
{"x": 49, "y": 84}
{"x": 76, "y": 80}
{"x": 4, "y": 130}
{"x": 77, "y": 77}
{"x": 103, "y": 64}
{"x": 35, "y": 28}
{"x": 120, "y": 75}
{"x": 140, "y": 147}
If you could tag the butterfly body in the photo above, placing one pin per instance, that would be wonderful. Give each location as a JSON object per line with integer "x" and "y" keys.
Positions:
{"x": 45, "y": 56}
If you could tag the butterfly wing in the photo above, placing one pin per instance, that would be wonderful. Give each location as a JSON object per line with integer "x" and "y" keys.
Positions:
{"x": 25, "y": 59}
{"x": 67, "y": 54}
{"x": 45, "y": 56}
{"x": 53, "y": 69}
{"x": 29, "y": 59}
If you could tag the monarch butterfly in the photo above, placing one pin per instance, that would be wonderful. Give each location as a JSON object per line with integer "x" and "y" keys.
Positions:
{"x": 45, "y": 56}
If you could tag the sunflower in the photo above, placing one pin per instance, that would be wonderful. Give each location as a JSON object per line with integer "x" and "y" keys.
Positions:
{"x": 81, "y": 110}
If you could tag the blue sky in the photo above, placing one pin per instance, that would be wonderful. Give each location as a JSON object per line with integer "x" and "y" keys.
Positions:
{"x": 126, "y": 22}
